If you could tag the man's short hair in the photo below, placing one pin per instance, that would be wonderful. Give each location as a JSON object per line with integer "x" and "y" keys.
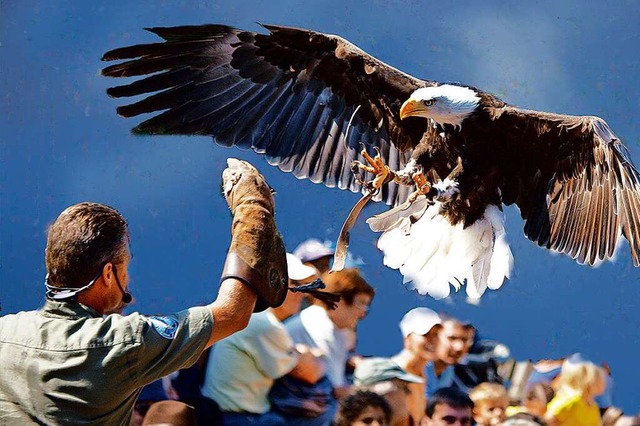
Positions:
{"x": 347, "y": 283}
{"x": 353, "y": 405}
{"x": 467, "y": 325}
{"x": 81, "y": 240}
{"x": 453, "y": 397}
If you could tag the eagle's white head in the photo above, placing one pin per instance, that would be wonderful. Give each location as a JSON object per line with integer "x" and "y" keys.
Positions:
{"x": 446, "y": 104}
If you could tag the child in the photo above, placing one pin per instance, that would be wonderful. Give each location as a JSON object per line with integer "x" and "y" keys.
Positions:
{"x": 490, "y": 401}
{"x": 573, "y": 405}
{"x": 363, "y": 408}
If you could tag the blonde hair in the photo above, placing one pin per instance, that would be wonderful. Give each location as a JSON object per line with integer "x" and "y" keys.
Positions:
{"x": 488, "y": 392}
{"x": 585, "y": 378}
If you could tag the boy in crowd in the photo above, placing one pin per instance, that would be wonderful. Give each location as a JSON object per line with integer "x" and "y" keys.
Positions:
{"x": 490, "y": 402}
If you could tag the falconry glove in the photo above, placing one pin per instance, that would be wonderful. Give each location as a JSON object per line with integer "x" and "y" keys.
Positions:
{"x": 256, "y": 255}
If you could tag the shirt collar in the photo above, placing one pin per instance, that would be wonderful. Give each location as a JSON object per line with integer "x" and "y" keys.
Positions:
{"x": 52, "y": 308}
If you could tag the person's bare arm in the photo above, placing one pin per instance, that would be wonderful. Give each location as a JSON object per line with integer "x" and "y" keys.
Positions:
{"x": 232, "y": 309}
{"x": 309, "y": 368}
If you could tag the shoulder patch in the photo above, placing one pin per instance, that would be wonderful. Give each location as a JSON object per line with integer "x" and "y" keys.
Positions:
{"x": 166, "y": 326}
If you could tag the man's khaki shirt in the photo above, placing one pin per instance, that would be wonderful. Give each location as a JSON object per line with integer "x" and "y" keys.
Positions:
{"x": 67, "y": 364}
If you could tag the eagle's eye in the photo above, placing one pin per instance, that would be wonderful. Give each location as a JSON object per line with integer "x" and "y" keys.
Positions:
{"x": 428, "y": 102}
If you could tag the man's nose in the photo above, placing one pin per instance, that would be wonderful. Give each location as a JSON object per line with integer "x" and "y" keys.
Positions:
{"x": 458, "y": 345}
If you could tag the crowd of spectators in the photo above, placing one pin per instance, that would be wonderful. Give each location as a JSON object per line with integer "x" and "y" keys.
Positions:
{"x": 299, "y": 367}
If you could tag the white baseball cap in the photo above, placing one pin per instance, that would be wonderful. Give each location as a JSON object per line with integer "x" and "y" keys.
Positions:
{"x": 419, "y": 321}
{"x": 311, "y": 250}
{"x": 297, "y": 270}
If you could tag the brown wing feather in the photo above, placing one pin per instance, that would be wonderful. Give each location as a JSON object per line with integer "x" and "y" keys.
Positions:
{"x": 288, "y": 95}
{"x": 573, "y": 181}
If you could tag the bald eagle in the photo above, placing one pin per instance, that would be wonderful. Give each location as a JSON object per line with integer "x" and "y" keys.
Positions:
{"x": 446, "y": 157}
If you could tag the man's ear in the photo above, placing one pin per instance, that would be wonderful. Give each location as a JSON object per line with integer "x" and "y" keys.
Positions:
{"x": 107, "y": 274}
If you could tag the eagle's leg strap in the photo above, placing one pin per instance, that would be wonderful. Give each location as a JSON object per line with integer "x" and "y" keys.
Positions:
{"x": 340, "y": 255}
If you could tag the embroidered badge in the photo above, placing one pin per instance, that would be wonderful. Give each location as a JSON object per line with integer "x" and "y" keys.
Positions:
{"x": 165, "y": 326}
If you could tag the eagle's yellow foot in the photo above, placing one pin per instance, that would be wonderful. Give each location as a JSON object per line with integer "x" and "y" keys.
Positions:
{"x": 422, "y": 185}
{"x": 376, "y": 166}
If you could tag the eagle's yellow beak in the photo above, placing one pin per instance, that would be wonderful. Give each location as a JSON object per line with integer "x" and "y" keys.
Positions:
{"x": 411, "y": 107}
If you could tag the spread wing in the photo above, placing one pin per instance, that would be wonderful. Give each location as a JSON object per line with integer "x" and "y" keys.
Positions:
{"x": 574, "y": 183}
{"x": 289, "y": 95}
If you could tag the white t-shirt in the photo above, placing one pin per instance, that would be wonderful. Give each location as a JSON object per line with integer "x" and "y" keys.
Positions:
{"x": 314, "y": 328}
{"x": 241, "y": 368}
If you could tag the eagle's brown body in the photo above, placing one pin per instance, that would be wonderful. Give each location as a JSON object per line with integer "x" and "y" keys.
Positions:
{"x": 290, "y": 95}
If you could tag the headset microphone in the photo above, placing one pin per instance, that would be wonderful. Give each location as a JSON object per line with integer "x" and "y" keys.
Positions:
{"x": 126, "y": 297}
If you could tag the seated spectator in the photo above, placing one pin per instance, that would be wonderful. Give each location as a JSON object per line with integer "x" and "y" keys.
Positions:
{"x": 419, "y": 327}
{"x": 170, "y": 413}
{"x": 363, "y": 408}
{"x": 535, "y": 401}
{"x": 331, "y": 331}
{"x": 384, "y": 377}
{"x": 490, "y": 402}
{"x": 242, "y": 368}
{"x": 314, "y": 253}
{"x": 448, "y": 406}
{"x": 454, "y": 341}
{"x": 578, "y": 384}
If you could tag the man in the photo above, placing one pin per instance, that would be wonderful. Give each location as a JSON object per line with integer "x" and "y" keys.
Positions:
{"x": 454, "y": 340}
{"x": 68, "y": 363}
{"x": 332, "y": 330}
{"x": 384, "y": 377}
{"x": 242, "y": 368}
{"x": 448, "y": 407}
{"x": 420, "y": 328}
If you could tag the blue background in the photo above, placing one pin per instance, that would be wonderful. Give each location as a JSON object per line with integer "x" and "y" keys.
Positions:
{"x": 61, "y": 143}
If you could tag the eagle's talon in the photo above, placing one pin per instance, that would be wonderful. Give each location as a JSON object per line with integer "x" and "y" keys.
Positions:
{"x": 376, "y": 166}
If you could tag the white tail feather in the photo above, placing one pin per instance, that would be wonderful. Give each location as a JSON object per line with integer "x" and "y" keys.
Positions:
{"x": 433, "y": 255}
